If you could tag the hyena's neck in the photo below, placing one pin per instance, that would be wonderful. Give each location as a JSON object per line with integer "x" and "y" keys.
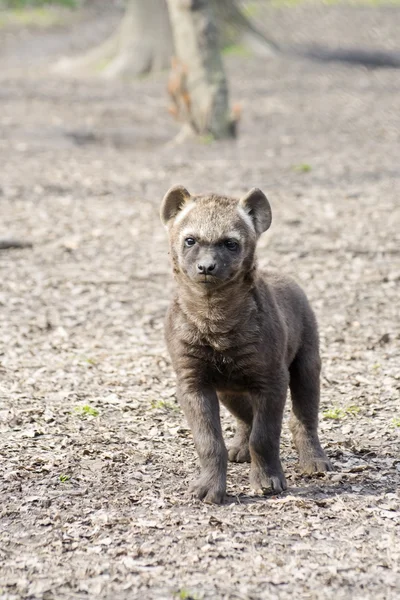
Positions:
{"x": 217, "y": 312}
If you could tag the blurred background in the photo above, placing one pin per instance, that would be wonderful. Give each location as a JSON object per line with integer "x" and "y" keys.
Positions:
{"x": 104, "y": 106}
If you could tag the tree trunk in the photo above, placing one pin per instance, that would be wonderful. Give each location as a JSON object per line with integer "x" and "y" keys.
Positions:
{"x": 143, "y": 41}
{"x": 197, "y": 50}
{"x": 141, "y": 44}
{"x": 236, "y": 28}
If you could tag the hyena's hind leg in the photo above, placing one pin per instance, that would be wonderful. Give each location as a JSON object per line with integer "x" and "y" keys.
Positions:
{"x": 305, "y": 391}
{"x": 239, "y": 406}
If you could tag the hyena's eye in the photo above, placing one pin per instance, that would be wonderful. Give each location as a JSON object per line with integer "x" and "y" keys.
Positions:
{"x": 190, "y": 242}
{"x": 231, "y": 245}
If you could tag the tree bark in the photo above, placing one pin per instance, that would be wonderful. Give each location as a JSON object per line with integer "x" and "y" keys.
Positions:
{"x": 236, "y": 28}
{"x": 141, "y": 44}
{"x": 143, "y": 41}
{"x": 197, "y": 49}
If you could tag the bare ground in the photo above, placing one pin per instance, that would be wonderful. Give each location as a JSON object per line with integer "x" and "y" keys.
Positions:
{"x": 94, "y": 500}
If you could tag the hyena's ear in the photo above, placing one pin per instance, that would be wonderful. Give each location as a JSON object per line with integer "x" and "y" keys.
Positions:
{"x": 256, "y": 206}
{"x": 173, "y": 202}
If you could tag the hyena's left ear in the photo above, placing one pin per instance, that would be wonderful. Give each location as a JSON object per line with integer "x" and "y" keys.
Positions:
{"x": 173, "y": 202}
{"x": 255, "y": 204}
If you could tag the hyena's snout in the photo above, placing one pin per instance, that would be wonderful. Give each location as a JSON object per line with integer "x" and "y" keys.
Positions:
{"x": 215, "y": 265}
{"x": 206, "y": 266}
{"x": 204, "y": 261}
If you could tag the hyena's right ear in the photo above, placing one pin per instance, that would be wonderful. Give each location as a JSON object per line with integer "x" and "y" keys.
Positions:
{"x": 173, "y": 202}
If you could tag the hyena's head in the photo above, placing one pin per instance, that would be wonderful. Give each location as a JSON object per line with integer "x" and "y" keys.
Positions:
{"x": 213, "y": 238}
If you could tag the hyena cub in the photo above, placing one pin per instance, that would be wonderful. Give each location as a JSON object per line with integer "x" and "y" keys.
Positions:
{"x": 240, "y": 337}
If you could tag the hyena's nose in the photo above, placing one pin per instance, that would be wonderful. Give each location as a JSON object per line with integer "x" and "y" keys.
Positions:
{"x": 206, "y": 267}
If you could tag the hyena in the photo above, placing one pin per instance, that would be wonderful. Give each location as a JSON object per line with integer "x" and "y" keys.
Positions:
{"x": 240, "y": 337}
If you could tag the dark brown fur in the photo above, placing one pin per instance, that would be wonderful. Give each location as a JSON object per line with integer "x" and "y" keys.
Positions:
{"x": 240, "y": 337}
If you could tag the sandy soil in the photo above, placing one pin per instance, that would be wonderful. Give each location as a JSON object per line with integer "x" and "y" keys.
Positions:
{"x": 96, "y": 455}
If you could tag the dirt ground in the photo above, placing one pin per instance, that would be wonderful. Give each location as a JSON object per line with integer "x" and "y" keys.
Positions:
{"x": 96, "y": 455}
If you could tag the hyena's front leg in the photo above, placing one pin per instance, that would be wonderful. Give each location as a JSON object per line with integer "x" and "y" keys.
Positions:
{"x": 201, "y": 409}
{"x": 266, "y": 472}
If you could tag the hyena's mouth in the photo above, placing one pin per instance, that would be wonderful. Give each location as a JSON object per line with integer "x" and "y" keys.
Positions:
{"x": 207, "y": 279}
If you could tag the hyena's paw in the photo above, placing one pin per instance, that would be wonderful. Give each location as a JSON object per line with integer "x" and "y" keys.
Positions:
{"x": 239, "y": 453}
{"x": 263, "y": 482}
{"x": 310, "y": 465}
{"x": 209, "y": 489}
